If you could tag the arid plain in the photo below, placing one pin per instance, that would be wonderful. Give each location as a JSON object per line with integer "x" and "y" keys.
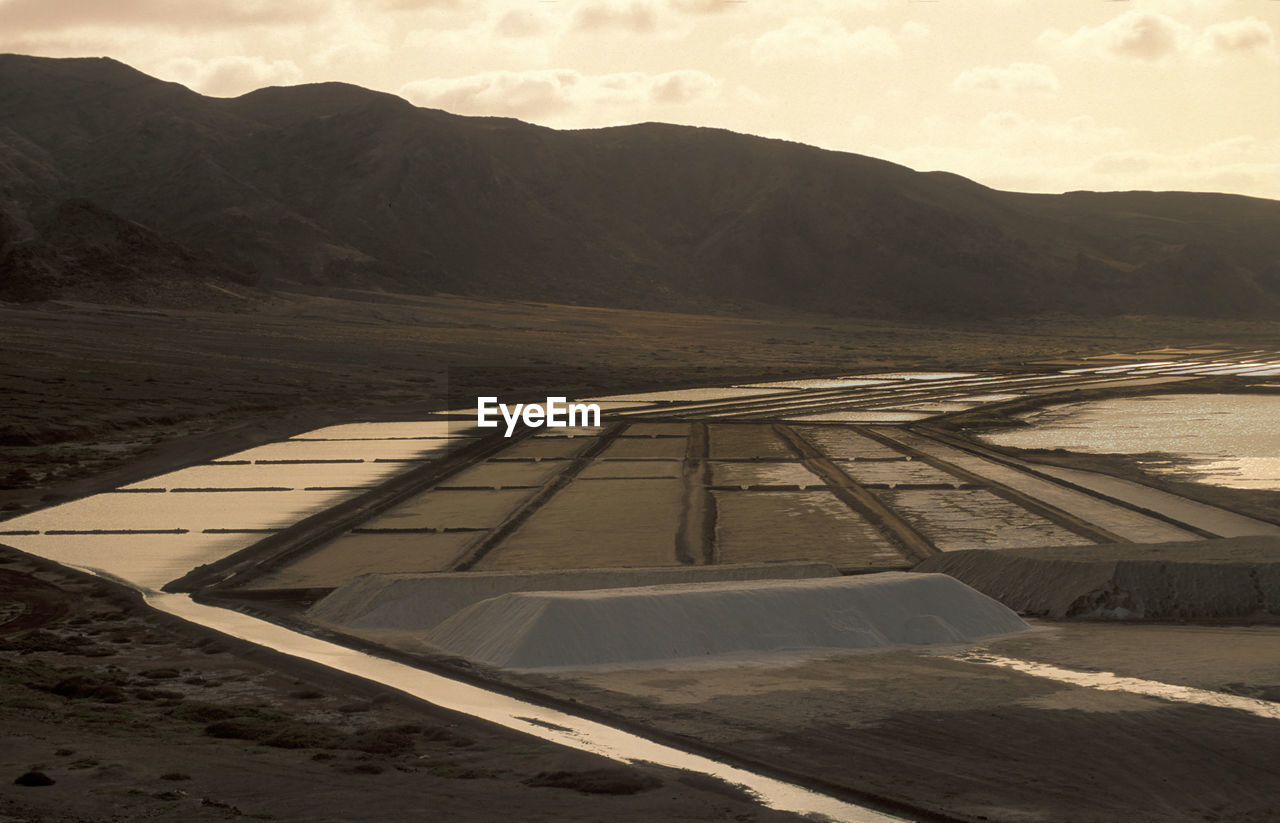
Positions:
{"x": 106, "y": 396}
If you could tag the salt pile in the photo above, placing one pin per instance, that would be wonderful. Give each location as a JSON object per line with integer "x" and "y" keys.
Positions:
{"x": 532, "y": 630}
{"x": 418, "y": 601}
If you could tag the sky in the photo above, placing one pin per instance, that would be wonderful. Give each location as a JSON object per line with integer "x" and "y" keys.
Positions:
{"x": 1023, "y": 95}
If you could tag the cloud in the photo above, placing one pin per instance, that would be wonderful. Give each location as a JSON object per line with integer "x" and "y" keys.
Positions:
{"x": 516, "y": 37}
{"x": 523, "y": 23}
{"x": 1249, "y": 36}
{"x": 529, "y": 94}
{"x": 1015, "y": 153}
{"x": 705, "y": 6}
{"x": 1008, "y": 127}
{"x": 634, "y": 17}
{"x": 543, "y": 94}
{"x": 912, "y": 30}
{"x": 825, "y": 39}
{"x": 231, "y": 76}
{"x": 45, "y": 15}
{"x": 417, "y": 5}
{"x": 1147, "y": 36}
{"x": 351, "y": 53}
{"x": 1240, "y": 164}
{"x": 684, "y": 86}
{"x": 787, "y": 9}
{"x": 1016, "y": 78}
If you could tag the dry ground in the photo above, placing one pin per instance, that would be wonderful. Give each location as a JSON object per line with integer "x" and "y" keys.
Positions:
{"x": 135, "y": 719}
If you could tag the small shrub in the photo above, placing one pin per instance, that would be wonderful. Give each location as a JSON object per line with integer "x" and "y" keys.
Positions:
{"x": 440, "y": 734}
{"x": 597, "y": 781}
{"x": 385, "y": 741}
{"x": 364, "y": 768}
{"x": 307, "y": 736}
{"x": 355, "y": 708}
{"x": 39, "y": 640}
{"x": 80, "y": 687}
{"x": 34, "y": 778}
{"x": 194, "y": 711}
{"x": 454, "y": 770}
{"x": 239, "y": 729}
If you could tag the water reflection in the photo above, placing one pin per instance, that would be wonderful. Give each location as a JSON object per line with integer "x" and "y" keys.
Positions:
{"x": 685, "y": 395}
{"x": 1226, "y": 439}
{"x": 1107, "y": 681}
{"x": 188, "y": 511}
{"x": 859, "y": 416}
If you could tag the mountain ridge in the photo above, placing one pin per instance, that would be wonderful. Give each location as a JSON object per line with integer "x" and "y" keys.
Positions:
{"x": 331, "y": 185}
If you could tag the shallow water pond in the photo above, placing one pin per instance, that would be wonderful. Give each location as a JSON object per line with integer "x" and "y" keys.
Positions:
{"x": 1224, "y": 439}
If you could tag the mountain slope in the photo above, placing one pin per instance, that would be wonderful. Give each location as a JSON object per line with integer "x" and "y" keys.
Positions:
{"x": 332, "y": 185}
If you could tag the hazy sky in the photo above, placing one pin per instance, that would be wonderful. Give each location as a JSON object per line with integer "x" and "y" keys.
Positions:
{"x": 1041, "y": 95}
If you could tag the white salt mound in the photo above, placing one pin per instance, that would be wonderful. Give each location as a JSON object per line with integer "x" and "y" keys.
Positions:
{"x": 417, "y": 601}
{"x": 533, "y": 630}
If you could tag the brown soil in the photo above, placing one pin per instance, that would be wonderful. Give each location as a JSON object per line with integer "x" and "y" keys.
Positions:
{"x": 136, "y": 718}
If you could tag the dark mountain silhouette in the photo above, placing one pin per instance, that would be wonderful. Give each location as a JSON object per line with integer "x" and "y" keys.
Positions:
{"x": 118, "y": 186}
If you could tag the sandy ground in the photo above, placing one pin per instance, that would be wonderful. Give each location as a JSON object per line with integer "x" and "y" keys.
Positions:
{"x": 134, "y": 720}
{"x": 981, "y": 743}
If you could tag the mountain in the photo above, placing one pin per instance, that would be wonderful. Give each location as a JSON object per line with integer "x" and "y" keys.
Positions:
{"x": 118, "y": 186}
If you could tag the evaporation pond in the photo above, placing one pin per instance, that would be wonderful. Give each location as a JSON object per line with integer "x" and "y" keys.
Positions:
{"x": 1225, "y": 439}
{"x": 919, "y": 375}
{"x": 390, "y": 431}
{"x": 817, "y": 383}
{"x": 445, "y": 508}
{"x": 690, "y": 395}
{"x": 504, "y": 474}
{"x": 344, "y": 450}
{"x": 862, "y": 416}
{"x": 645, "y": 448}
{"x": 146, "y": 560}
{"x": 273, "y": 475}
{"x": 193, "y": 511}
{"x": 747, "y": 441}
{"x": 763, "y": 474}
{"x": 764, "y": 527}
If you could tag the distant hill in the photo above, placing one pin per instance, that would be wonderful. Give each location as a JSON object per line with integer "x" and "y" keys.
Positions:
{"x": 116, "y": 186}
